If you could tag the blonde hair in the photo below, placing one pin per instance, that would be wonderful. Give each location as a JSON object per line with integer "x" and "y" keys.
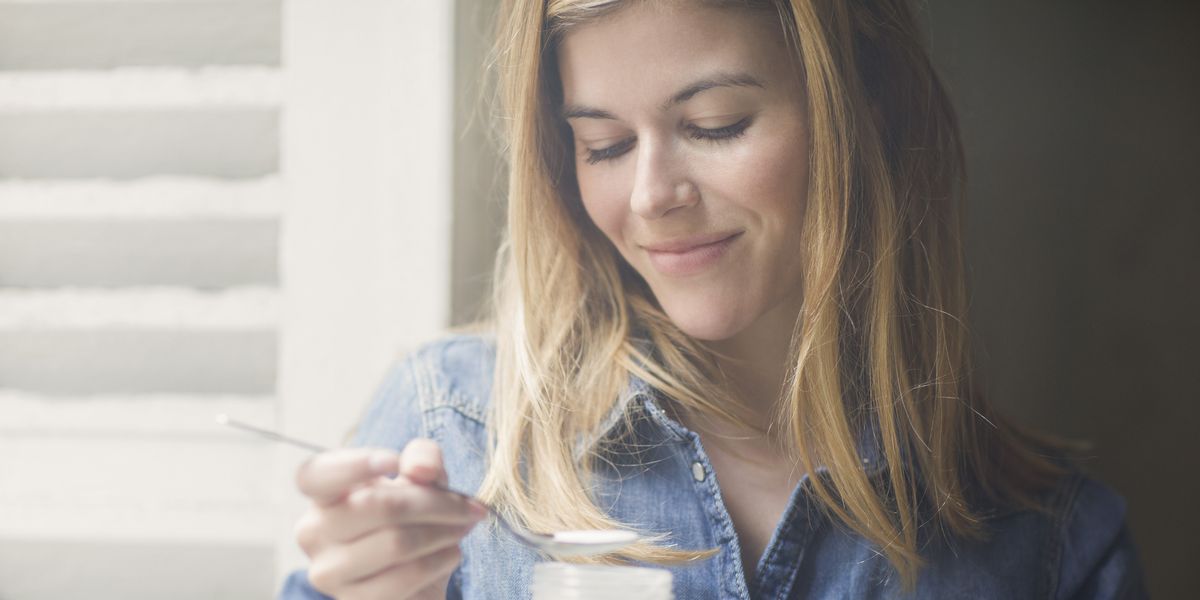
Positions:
{"x": 880, "y": 345}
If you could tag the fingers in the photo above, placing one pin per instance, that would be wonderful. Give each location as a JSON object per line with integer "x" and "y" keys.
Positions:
{"x": 327, "y": 477}
{"x": 409, "y": 580}
{"x": 421, "y": 462}
{"x": 401, "y": 501}
{"x": 343, "y": 565}
{"x": 371, "y": 536}
{"x": 393, "y": 503}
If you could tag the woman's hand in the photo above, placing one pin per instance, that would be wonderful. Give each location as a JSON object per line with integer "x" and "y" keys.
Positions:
{"x": 369, "y": 536}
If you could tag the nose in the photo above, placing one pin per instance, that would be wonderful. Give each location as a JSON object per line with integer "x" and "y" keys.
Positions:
{"x": 661, "y": 183}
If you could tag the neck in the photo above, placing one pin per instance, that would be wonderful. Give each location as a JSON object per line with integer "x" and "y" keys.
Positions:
{"x": 756, "y": 361}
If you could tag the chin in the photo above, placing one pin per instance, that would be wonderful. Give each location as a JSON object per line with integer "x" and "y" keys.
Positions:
{"x": 707, "y": 323}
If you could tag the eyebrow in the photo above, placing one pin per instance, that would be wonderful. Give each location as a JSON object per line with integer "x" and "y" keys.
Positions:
{"x": 577, "y": 111}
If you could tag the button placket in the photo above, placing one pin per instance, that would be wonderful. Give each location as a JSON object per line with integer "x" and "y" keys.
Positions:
{"x": 733, "y": 582}
{"x": 734, "y": 585}
{"x": 788, "y": 546}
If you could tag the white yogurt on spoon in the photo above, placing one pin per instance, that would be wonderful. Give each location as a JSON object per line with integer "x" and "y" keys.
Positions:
{"x": 597, "y": 536}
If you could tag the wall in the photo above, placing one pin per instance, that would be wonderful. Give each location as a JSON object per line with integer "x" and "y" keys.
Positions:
{"x": 1081, "y": 124}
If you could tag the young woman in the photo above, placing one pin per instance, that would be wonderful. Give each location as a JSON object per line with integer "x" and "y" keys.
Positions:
{"x": 730, "y": 314}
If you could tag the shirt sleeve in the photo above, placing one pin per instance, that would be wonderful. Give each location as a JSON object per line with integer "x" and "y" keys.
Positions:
{"x": 394, "y": 416}
{"x": 296, "y": 587}
{"x": 1099, "y": 558}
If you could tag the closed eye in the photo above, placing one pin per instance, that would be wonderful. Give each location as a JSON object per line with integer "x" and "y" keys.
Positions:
{"x": 715, "y": 134}
{"x": 610, "y": 152}
{"x": 719, "y": 133}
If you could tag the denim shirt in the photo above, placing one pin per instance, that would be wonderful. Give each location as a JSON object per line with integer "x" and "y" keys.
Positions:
{"x": 1080, "y": 548}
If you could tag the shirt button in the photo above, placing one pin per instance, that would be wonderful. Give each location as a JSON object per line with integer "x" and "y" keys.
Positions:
{"x": 698, "y": 471}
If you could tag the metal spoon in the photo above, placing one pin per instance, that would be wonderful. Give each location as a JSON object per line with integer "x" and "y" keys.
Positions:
{"x": 559, "y": 544}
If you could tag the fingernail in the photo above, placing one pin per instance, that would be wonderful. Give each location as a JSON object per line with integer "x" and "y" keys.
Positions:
{"x": 382, "y": 463}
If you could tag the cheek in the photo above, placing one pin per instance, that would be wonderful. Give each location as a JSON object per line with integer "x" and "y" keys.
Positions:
{"x": 773, "y": 178}
{"x": 765, "y": 174}
{"x": 605, "y": 203}
{"x": 781, "y": 199}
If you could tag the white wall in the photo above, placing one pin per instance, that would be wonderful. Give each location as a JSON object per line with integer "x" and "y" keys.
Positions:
{"x": 366, "y": 244}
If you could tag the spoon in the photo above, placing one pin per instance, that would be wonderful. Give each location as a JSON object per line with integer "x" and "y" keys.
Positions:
{"x": 586, "y": 542}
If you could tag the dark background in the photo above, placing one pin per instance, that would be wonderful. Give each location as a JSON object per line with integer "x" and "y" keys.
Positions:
{"x": 1082, "y": 123}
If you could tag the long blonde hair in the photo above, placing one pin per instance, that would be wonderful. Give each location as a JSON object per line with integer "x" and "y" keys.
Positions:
{"x": 880, "y": 345}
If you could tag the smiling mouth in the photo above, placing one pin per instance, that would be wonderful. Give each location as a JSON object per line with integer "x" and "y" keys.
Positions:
{"x": 690, "y": 256}
{"x": 688, "y": 244}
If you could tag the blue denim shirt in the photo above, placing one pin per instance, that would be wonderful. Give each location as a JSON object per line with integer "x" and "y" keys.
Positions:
{"x": 1081, "y": 548}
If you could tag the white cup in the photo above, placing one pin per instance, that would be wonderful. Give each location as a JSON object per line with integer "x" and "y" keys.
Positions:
{"x": 562, "y": 581}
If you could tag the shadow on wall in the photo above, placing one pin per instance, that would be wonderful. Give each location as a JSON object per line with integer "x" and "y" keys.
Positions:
{"x": 1080, "y": 127}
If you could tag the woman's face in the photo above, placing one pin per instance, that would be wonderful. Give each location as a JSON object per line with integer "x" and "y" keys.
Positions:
{"x": 691, "y": 154}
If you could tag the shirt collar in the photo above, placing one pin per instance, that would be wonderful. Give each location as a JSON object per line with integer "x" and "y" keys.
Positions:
{"x": 638, "y": 394}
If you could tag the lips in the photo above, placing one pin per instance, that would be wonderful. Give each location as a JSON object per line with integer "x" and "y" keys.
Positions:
{"x": 681, "y": 245}
{"x": 691, "y": 255}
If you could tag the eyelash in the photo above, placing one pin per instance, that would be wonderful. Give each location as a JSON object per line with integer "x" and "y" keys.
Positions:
{"x": 719, "y": 134}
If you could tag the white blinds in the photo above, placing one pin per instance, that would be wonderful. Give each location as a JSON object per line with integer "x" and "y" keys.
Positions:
{"x": 140, "y": 206}
{"x": 208, "y": 206}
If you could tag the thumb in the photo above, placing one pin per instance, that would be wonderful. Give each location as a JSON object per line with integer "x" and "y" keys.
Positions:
{"x": 421, "y": 462}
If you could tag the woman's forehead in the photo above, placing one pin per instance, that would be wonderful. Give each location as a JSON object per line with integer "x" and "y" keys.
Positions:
{"x": 644, "y": 55}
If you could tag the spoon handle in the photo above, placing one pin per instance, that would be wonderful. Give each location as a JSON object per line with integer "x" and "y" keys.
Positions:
{"x": 223, "y": 419}
{"x": 311, "y": 447}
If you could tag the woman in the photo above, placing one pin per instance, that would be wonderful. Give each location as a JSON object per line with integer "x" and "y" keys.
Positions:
{"x": 729, "y": 313}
